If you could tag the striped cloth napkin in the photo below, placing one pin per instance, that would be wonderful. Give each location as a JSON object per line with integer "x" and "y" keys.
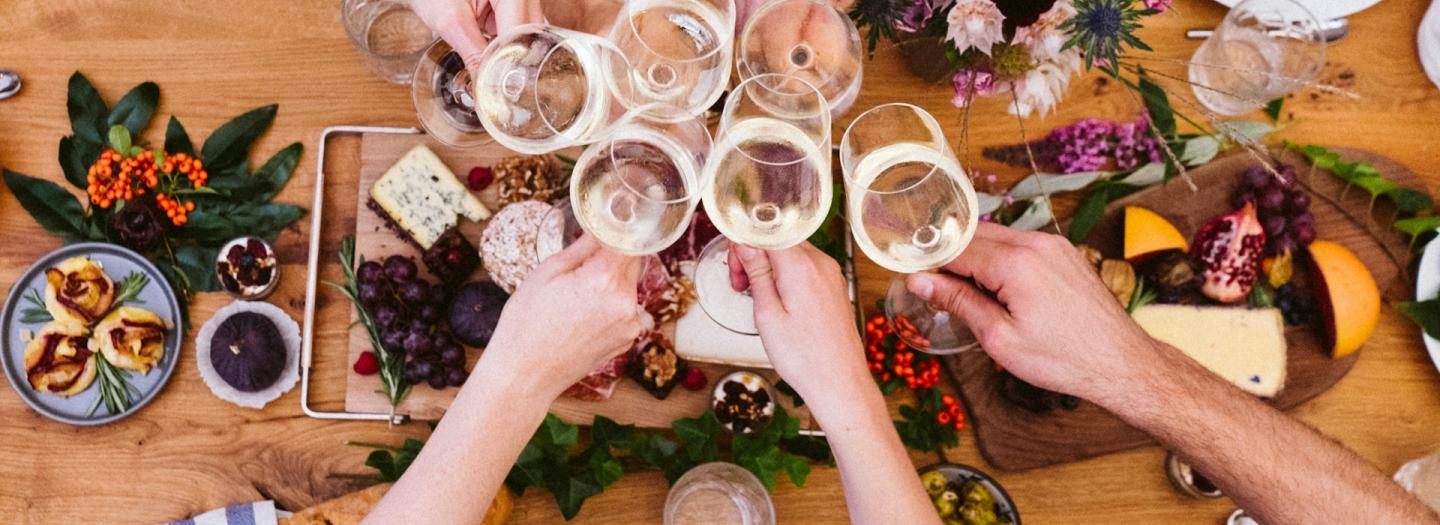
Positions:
{"x": 257, "y": 513}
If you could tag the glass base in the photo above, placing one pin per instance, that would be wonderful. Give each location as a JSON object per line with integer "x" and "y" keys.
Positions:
{"x": 444, "y": 102}
{"x": 924, "y": 328}
{"x": 731, "y": 309}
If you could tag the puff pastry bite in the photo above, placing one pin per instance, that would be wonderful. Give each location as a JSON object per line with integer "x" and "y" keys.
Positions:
{"x": 78, "y": 291}
{"x": 131, "y": 338}
{"x": 58, "y": 360}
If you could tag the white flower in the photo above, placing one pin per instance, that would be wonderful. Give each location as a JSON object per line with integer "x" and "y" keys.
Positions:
{"x": 1040, "y": 89}
{"x": 1044, "y": 37}
{"x": 975, "y": 23}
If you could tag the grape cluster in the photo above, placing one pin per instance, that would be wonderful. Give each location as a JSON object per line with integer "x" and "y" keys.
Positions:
{"x": 1283, "y": 207}
{"x": 408, "y": 312}
{"x": 1297, "y": 308}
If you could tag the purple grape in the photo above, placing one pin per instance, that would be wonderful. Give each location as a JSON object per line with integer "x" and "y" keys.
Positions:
{"x": 437, "y": 381}
{"x": 371, "y": 294}
{"x": 417, "y": 325}
{"x": 1299, "y": 202}
{"x": 417, "y": 342}
{"x": 1274, "y": 225}
{"x": 1303, "y": 220}
{"x": 1272, "y": 200}
{"x": 442, "y": 340}
{"x": 1304, "y": 234}
{"x": 1240, "y": 197}
{"x": 422, "y": 369}
{"x": 393, "y": 340}
{"x": 452, "y": 357}
{"x": 408, "y": 374}
{"x": 429, "y": 313}
{"x": 1283, "y": 243}
{"x": 400, "y": 269}
{"x": 415, "y": 292}
{"x": 1256, "y": 178}
{"x": 455, "y": 377}
{"x": 370, "y": 272}
{"x": 439, "y": 295}
{"x": 1287, "y": 176}
{"x": 386, "y": 314}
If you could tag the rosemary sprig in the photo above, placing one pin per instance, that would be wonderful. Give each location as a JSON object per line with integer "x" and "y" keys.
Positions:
{"x": 36, "y": 313}
{"x": 394, "y": 387}
{"x": 116, "y": 392}
{"x": 128, "y": 291}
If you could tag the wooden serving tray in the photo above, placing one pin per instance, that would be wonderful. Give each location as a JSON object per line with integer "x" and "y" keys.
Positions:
{"x": 631, "y": 404}
{"x": 1012, "y": 438}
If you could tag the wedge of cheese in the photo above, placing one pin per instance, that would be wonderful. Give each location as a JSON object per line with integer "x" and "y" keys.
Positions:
{"x": 424, "y": 198}
{"x": 1243, "y": 346}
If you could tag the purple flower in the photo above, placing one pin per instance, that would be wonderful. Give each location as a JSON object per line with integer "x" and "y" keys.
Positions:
{"x": 915, "y": 17}
{"x": 971, "y": 84}
{"x": 1090, "y": 144}
{"x": 1158, "y": 5}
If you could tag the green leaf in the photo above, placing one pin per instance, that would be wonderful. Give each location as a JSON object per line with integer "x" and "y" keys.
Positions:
{"x": 698, "y": 436}
{"x": 606, "y": 433}
{"x": 1261, "y": 296}
{"x": 177, "y": 282}
{"x": 87, "y": 110}
{"x": 268, "y": 180}
{"x": 1273, "y": 108}
{"x": 1088, "y": 213}
{"x": 571, "y": 492}
{"x": 1425, "y": 314}
{"x": 1157, "y": 103}
{"x": 135, "y": 108}
{"x": 50, "y": 205}
{"x": 229, "y": 146}
{"x": 176, "y": 139}
{"x": 120, "y": 139}
{"x": 1417, "y": 226}
{"x": 76, "y": 157}
{"x": 220, "y": 222}
{"x": 797, "y": 469}
{"x": 197, "y": 263}
{"x": 1408, "y": 200}
{"x": 1200, "y": 150}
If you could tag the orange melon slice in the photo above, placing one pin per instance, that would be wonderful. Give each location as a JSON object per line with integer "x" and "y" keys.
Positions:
{"x": 1348, "y": 297}
{"x": 1147, "y": 233}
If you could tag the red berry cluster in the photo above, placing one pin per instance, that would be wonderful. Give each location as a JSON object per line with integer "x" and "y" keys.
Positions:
{"x": 889, "y": 357}
{"x": 117, "y": 177}
{"x": 951, "y": 414}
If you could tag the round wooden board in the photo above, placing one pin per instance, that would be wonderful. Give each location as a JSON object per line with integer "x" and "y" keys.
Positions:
{"x": 1012, "y": 438}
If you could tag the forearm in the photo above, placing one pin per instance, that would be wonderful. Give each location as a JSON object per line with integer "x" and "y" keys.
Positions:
{"x": 1275, "y": 467}
{"x": 466, "y": 459}
{"x": 879, "y": 480}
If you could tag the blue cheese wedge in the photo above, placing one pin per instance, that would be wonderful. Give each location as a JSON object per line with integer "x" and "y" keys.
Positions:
{"x": 424, "y": 198}
{"x": 1244, "y": 346}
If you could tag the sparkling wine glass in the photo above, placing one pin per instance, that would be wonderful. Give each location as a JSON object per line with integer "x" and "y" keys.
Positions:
{"x": 539, "y": 88}
{"x": 679, "y": 51}
{"x": 1264, "y": 49}
{"x": 768, "y": 183}
{"x": 807, "y": 39}
{"x": 911, "y": 209}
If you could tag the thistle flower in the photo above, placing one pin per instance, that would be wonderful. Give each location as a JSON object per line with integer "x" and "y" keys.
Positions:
{"x": 975, "y": 23}
{"x": 1100, "y": 29}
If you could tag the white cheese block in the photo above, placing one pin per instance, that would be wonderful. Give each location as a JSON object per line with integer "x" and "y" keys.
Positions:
{"x": 424, "y": 197}
{"x": 700, "y": 338}
{"x": 1244, "y": 346}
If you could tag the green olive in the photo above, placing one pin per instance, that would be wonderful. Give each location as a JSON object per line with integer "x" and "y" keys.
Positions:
{"x": 934, "y": 482}
{"x": 977, "y": 493}
{"x": 944, "y": 508}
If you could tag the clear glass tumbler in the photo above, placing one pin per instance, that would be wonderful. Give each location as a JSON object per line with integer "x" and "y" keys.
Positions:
{"x": 388, "y": 34}
{"x": 1262, "y": 50}
{"x": 718, "y": 493}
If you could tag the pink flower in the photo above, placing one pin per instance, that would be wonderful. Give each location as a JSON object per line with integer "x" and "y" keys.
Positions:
{"x": 971, "y": 84}
{"x": 1039, "y": 90}
{"x": 975, "y": 23}
{"x": 1158, "y": 5}
{"x": 1044, "y": 37}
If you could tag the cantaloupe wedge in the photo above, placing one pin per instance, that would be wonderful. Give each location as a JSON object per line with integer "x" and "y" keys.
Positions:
{"x": 1348, "y": 297}
{"x": 1147, "y": 233}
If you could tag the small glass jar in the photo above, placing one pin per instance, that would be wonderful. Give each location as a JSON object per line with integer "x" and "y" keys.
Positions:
{"x": 746, "y": 408}
{"x": 247, "y": 268}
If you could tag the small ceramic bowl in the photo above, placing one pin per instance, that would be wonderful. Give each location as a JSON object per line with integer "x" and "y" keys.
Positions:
{"x": 228, "y": 275}
{"x": 957, "y": 474}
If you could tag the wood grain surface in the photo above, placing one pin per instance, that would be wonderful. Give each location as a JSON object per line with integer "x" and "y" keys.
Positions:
{"x": 189, "y": 452}
{"x": 1012, "y": 438}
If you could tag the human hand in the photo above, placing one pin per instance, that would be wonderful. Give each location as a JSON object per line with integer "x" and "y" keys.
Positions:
{"x": 464, "y": 24}
{"x": 744, "y": 8}
{"x": 573, "y": 313}
{"x": 1050, "y": 321}
{"x": 805, "y": 319}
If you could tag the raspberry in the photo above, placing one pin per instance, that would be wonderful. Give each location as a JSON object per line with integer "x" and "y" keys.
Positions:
{"x": 367, "y": 364}
{"x": 480, "y": 178}
{"x": 694, "y": 379}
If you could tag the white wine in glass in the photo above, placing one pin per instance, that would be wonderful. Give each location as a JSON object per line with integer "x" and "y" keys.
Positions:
{"x": 807, "y": 39}
{"x": 679, "y": 51}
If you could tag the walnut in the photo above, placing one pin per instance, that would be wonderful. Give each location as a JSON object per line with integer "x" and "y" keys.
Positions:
{"x": 660, "y": 364}
{"x": 676, "y": 299}
{"x": 1091, "y": 254}
{"x": 523, "y": 178}
{"x": 1119, "y": 278}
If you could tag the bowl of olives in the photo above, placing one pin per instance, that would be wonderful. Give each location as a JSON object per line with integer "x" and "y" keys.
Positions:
{"x": 963, "y": 495}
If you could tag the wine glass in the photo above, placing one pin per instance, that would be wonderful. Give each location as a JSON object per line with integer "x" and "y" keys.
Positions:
{"x": 911, "y": 209}
{"x": 1264, "y": 49}
{"x": 388, "y": 34}
{"x": 768, "y": 184}
{"x": 679, "y": 51}
{"x": 539, "y": 88}
{"x": 557, "y": 230}
{"x": 444, "y": 98}
{"x": 807, "y": 39}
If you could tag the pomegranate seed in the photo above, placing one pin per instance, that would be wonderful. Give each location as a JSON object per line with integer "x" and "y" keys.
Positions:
{"x": 367, "y": 364}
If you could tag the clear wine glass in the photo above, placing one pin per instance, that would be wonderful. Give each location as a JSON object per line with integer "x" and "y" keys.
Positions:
{"x": 539, "y": 88}
{"x": 806, "y": 39}
{"x": 911, "y": 209}
{"x": 1264, "y": 49}
{"x": 557, "y": 230}
{"x": 768, "y": 183}
{"x": 679, "y": 51}
{"x": 445, "y": 99}
{"x": 388, "y": 34}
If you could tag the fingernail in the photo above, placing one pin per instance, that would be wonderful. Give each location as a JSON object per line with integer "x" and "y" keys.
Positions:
{"x": 921, "y": 286}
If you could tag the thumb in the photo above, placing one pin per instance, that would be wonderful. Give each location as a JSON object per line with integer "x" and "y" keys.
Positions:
{"x": 982, "y": 314}
{"x": 761, "y": 275}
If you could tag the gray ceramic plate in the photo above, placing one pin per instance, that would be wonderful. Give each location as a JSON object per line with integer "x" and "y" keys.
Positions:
{"x": 118, "y": 262}
{"x": 959, "y": 474}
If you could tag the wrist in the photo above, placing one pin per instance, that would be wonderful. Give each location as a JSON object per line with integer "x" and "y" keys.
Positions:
{"x": 851, "y": 394}
{"x": 1142, "y": 375}
{"x": 494, "y": 377}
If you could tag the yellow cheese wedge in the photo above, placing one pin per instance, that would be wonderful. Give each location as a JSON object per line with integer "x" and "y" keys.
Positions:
{"x": 1244, "y": 346}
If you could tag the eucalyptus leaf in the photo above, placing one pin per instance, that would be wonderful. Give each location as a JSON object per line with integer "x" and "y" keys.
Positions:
{"x": 1036, "y": 216}
{"x": 135, "y": 108}
{"x": 87, "y": 110}
{"x": 176, "y": 139}
{"x": 229, "y": 146}
{"x": 1039, "y": 184}
{"x": 1149, "y": 174}
{"x": 988, "y": 203}
{"x": 1246, "y": 131}
{"x": 1200, "y": 150}
{"x": 54, "y": 208}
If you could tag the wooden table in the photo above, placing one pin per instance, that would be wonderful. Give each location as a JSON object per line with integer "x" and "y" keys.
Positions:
{"x": 190, "y": 452}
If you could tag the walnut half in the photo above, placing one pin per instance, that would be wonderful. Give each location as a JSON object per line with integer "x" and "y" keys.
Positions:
{"x": 1119, "y": 278}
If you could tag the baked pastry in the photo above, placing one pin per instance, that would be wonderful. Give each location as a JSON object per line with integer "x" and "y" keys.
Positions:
{"x": 78, "y": 291}
{"x": 131, "y": 338}
{"x": 58, "y": 360}
{"x": 507, "y": 248}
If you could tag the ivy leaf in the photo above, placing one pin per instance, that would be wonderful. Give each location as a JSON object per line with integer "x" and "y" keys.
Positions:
{"x": 55, "y": 209}
{"x": 229, "y": 146}
{"x": 698, "y": 437}
{"x": 176, "y": 139}
{"x": 391, "y": 462}
{"x": 571, "y": 492}
{"x": 797, "y": 469}
{"x": 87, "y": 110}
{"x": 1426, "y": 314}
{"x": 135, "y": 108}
{"x": 606, "y": 433}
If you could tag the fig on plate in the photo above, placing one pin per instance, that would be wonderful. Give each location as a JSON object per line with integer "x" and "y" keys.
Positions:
{"x": 1148, "y": 234}
{"x": 1229, "y": 250}
{"x": 1349, "y": 300}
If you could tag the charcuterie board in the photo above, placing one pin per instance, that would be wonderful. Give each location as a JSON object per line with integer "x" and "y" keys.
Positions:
{"x": 1013, "y": 438}
{"x": 630, "y": 403}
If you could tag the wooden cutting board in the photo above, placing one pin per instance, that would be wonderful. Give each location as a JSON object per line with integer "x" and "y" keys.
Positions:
{"x": 631, "y": 404}
{"x": 1012, "y": 438}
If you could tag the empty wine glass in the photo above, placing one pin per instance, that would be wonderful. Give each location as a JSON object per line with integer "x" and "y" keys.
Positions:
{"x": 911, "y": 209}
{"x": 1262, "y": 50}
{"x": 768, "y": 184}
{"x": 806, "y": 39}
{"x": 540, "y": 88}
{"x": 388, "y": 34}
{"x": 445, "y": 99}
{"x": 679, "y": 51}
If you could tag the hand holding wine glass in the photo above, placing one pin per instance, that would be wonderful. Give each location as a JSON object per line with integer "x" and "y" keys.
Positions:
{"x": 469, "y": 25}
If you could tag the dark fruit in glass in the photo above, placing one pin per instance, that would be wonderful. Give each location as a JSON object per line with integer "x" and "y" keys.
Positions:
{"x": 400, "y": 269}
